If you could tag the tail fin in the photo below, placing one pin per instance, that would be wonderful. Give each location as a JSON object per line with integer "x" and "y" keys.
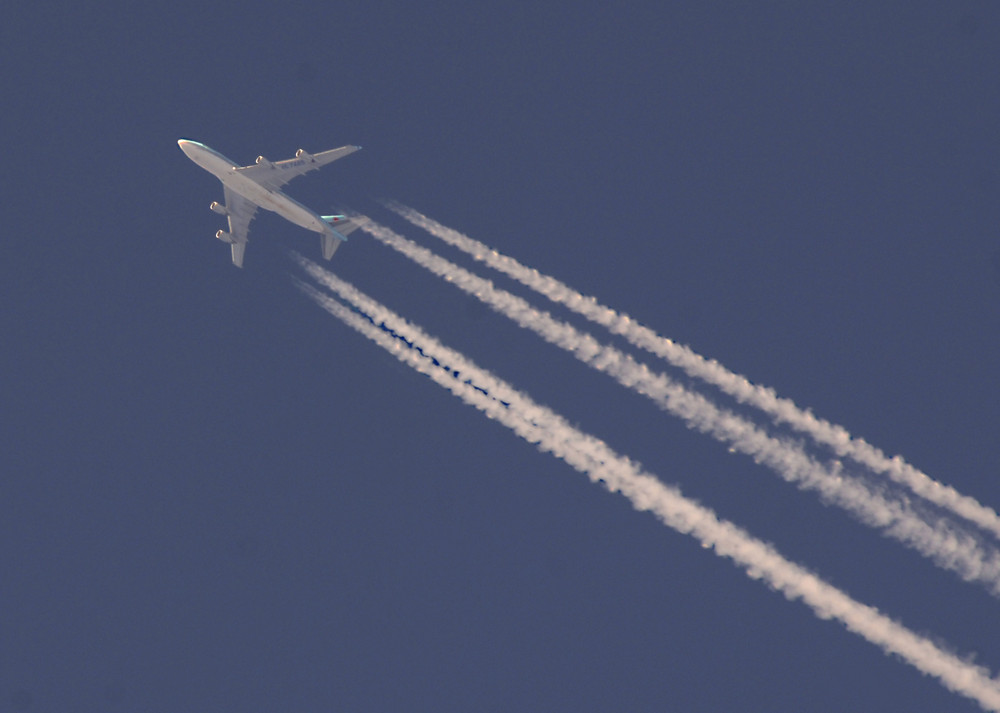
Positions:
{"x": 340, "y": 227}
{"x": 341, "y": 224}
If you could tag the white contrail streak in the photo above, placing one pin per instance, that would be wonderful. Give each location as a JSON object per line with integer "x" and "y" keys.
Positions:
{"x": 551, "y": 433}
{"x": 782, "y": 410}
{"x": 938, "y": 540}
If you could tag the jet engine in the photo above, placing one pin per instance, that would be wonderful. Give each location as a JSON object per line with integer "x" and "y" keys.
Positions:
{"x": 302, "y": 153}
{"x": 224, "y": 236}
{"x": 261, "y": 161}
{"x": 219, "y": 208}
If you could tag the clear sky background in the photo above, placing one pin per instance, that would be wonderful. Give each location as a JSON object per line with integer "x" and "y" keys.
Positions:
{"x": 215, "y": 497}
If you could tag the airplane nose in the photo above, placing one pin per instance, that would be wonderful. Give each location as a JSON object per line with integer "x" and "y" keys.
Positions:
{"x": 187, "y": 146}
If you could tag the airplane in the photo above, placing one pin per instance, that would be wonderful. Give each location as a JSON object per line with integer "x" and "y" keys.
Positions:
{"x": 247, "y": 188}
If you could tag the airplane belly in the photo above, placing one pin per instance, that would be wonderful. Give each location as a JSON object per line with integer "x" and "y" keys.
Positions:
{"x": 253, "y": 192}
{"x": 297, "y": 213}
{"x": 276, "y": 202}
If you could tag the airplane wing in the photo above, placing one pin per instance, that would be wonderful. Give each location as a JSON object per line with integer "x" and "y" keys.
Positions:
{"x": 277, "y": 174}
{"x": 240, "y": 212}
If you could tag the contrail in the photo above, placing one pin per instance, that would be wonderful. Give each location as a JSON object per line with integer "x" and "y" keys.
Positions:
{"x": 551, "y": 433}
{"x": 782, "y": 410}
{"x": 957, "y": 551}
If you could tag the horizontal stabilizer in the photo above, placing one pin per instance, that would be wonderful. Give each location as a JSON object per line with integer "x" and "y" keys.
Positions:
{"x": 330, "y": 243}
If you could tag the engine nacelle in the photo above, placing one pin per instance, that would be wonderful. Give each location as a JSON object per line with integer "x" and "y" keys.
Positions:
{"x": 261, "y": 161}
{"x": 302, "y": 153}
{"x": 219, "y": 208}
{"x": 224, "y": 236}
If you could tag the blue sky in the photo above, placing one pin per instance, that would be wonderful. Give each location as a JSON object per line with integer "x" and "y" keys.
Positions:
{"x": 216, "y": 496}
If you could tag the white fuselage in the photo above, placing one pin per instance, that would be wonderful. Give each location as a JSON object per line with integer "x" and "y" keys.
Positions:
{"x": 236, "y": 181}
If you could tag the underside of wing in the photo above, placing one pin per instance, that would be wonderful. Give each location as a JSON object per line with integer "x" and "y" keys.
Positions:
{"x": 238, "y": 250}
{"x": 239, "y": 212}
{"x": 276, "y": 174}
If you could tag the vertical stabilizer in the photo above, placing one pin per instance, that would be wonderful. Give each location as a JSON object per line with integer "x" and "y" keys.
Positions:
{"x": 341, "y": 224}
